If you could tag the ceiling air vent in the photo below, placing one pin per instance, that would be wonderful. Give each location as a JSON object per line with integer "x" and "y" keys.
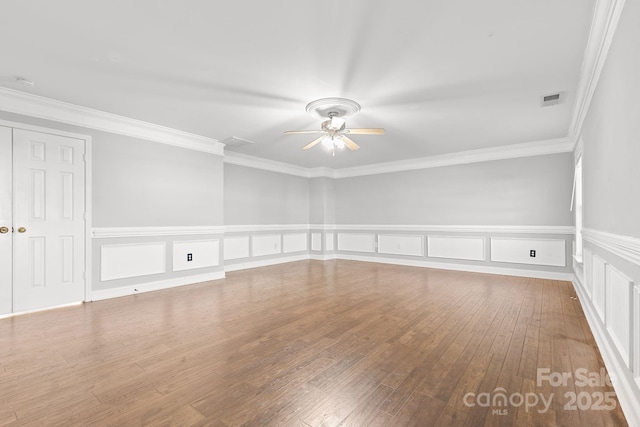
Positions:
{"x": 552, "y": 99}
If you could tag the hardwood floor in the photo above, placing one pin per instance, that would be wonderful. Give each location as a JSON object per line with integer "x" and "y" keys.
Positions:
{"x": 307, "y": 343}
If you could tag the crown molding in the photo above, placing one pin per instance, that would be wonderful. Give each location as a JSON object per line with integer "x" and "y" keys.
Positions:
{"x": 605, "y": 20}
{"x": 527, "y": 149}
{"x": 28, "y": 104}
{"x": 239, "y": 159}
{"x": 322, "y": 173}
{"x": 49, "y": 109}
{"x": 577, "y": 148}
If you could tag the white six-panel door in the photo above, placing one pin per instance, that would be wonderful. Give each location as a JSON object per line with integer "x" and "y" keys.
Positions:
{"x": 6, "y": 214}
{"x": 48, "y": 220}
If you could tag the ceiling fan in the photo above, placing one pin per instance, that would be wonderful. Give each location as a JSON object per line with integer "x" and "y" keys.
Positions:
{"x": 333, "y": 130}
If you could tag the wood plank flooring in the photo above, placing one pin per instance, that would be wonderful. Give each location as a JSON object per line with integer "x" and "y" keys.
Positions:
{"x": 307, "y": 344}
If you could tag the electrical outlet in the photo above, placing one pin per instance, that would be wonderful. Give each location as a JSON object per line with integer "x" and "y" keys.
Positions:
{"x": 189, "y": 257}
{"x": 532, "y": 253}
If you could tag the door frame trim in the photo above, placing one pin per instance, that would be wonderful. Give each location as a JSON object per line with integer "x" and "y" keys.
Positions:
{"x": 87, "y": 191}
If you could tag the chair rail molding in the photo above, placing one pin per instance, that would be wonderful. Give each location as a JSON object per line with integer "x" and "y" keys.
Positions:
{"x": 509, "y": 229}
{"x": 500, "y": 229}
{"x": 625, "y": 247}
{"x": 111, "y": 232}
{"x": 265, "y": 227}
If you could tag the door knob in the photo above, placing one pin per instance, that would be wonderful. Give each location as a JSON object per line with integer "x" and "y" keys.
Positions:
{"x": 4, "y": 230}
{"x": 21, "y": 230}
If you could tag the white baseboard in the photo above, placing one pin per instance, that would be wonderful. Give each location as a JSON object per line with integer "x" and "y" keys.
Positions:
{"x": 413, "y": 263}
{"x": 327, "y": 257}
{"x": 627, "y": 390}
{"x": 155, "y": 286}
{"x": 38, "y": 310}
{"x": 265, "y": 262}
{"x": 462, "y": 267}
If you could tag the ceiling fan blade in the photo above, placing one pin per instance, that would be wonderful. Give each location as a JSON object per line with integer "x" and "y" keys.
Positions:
{"x": 350, "y": 144}
{"x": 365, "y": 131}
{"x": 312, "y": 143}
{"x": 294, "y": 132}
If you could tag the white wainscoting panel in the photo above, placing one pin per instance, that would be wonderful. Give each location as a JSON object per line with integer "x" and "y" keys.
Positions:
{"x": 618, "y": 313}
{"x": 132, "y": 260}
{"x": 401, "y": 244}
{"x": 587, "y": 277}
{"x": 356, "y": 242}
{"x": 236, "y": 247}
{"x": 266, "y": 244}
{"x": 328, "y": 242}
{"x": 316, "y": 241}
{"x": 294, "y": 242}
{"x": 515, "y": 250}
{"x": 204, "y": 253}
{"x": 456, "y": 247}
{"x": 598, "y": 284}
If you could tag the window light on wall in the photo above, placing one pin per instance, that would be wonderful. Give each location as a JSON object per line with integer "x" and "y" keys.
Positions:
{"x": 576, "y": 206}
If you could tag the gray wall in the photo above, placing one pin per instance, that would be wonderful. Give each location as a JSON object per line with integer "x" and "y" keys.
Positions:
{"x": 322, "y": 208}
{"x": 611, "y": 132}
{"x": 523, "y": 191}
{"x": 255, "y": 197}
{"x": 143, "y": 183}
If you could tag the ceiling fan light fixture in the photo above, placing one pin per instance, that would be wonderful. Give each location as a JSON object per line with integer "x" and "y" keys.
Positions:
{"x": 327, "y": 142}
{"x": 334, "y": 125}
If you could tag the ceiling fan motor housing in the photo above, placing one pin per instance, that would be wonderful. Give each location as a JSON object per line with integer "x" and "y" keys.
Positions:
{"x": 334, "y": 125}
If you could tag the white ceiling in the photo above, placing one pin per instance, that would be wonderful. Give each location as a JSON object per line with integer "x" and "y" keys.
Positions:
{"x": 440, "y": 76}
